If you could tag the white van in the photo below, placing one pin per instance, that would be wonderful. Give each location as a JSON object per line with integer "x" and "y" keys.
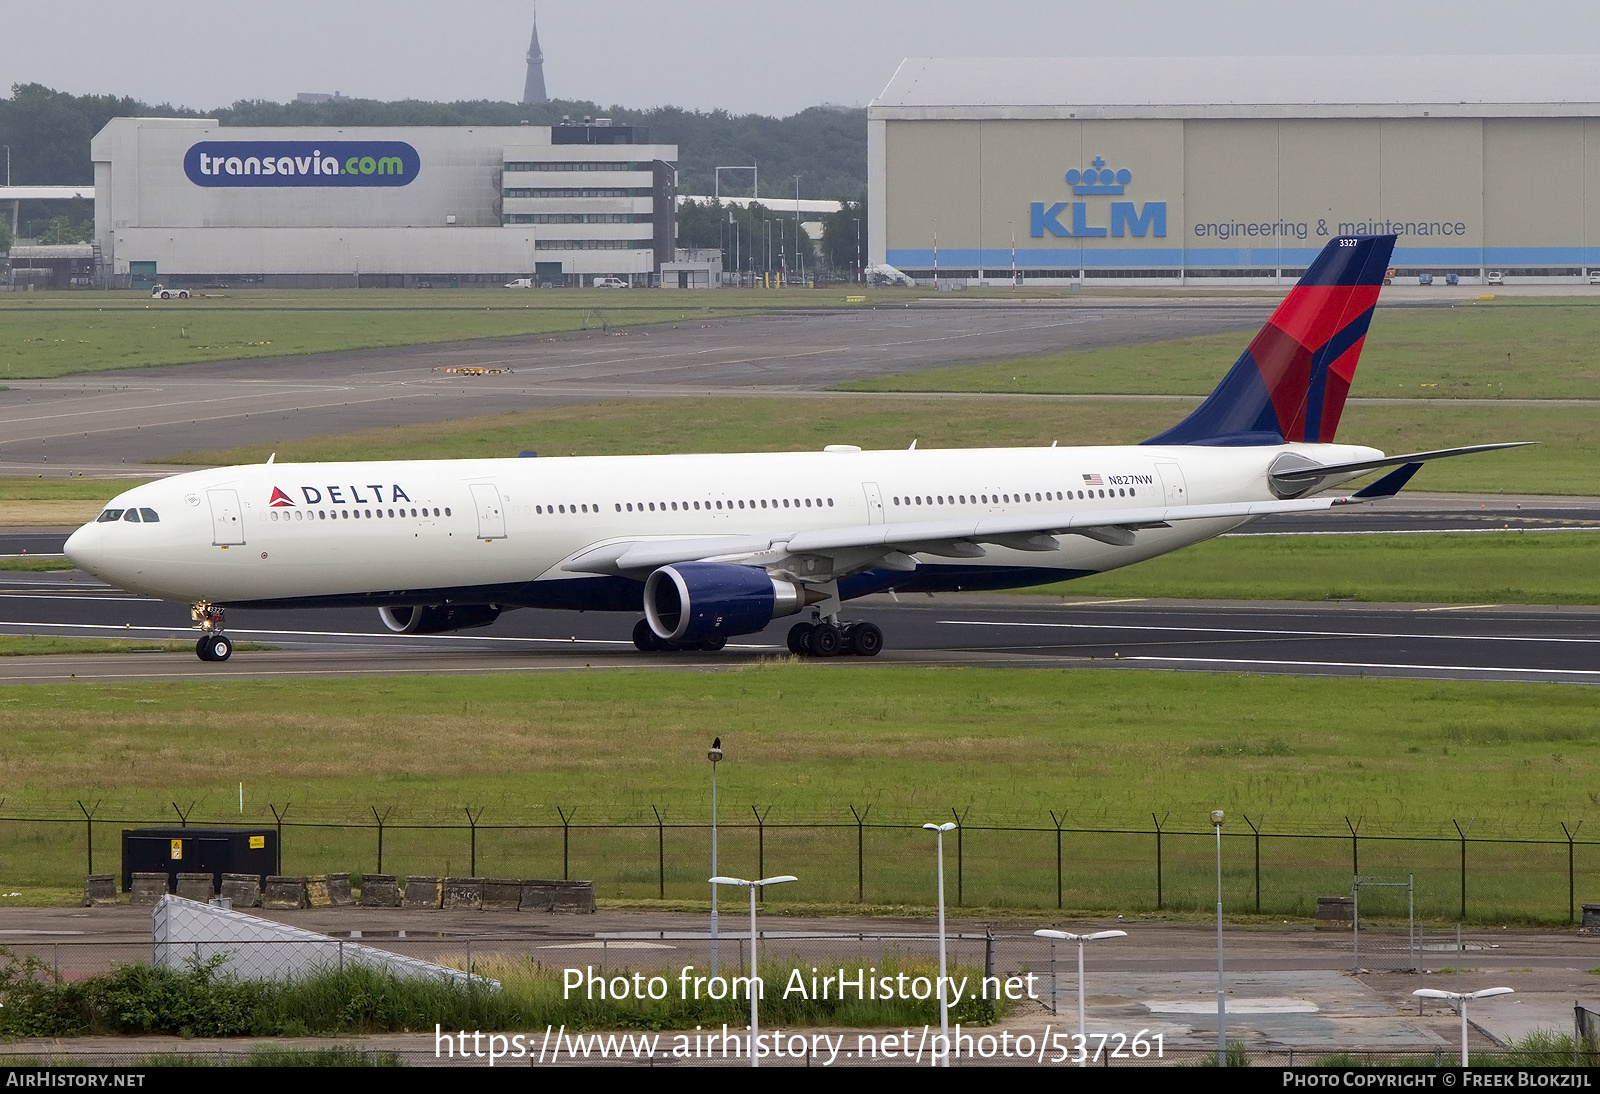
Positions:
{"x": 520, "y": 283}
{"x": 610, "y": 283}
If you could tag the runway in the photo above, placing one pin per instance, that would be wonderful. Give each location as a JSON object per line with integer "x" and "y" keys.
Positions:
{"x": 1466, "y": 642}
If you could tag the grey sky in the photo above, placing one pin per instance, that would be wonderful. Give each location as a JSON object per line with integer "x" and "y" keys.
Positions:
{"x": 703, "y": 54}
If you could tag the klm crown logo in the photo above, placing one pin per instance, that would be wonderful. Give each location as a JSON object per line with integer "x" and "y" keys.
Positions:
{"x": 1099, "y": 179}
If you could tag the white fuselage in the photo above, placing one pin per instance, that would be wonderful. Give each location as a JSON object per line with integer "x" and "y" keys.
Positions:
{"x": 297, "y": 532}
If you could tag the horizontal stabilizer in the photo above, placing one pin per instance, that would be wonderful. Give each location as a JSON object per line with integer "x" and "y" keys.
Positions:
{"x": 1318, "y": 471}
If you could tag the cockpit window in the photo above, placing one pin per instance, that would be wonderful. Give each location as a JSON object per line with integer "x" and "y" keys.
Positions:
{"x": 150, "y": 516}
{"x": 132, "y": 515}
{"x": 110, "y": 515}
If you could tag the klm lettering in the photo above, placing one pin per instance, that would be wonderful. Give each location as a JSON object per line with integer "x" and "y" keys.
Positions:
{"x": 1127, "y": 218}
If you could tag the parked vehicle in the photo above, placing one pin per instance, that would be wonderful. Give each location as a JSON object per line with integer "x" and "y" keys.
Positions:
{"x": 161, "y": 292}
{"x": 610, "y": 283}
{"x": 520, "y": 283}
{"x": 1496, "y": 277}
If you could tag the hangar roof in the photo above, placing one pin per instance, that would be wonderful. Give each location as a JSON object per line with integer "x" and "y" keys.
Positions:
{"x": 1242, "y": 87}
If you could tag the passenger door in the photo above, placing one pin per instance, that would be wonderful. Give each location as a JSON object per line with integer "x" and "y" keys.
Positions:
{"x": 227, "y": 525}
{"x": 491, "y": 513}
{"x": 874, "y": 502}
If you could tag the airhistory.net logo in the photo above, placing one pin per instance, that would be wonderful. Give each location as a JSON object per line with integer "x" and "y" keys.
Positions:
{"x": 301, "y": 163}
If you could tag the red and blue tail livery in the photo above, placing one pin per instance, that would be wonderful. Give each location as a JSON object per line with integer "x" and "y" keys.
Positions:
{"x": 1291, "y": 383}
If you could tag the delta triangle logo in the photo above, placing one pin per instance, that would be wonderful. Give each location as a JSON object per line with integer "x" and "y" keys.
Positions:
{"x": 280, "y": 500}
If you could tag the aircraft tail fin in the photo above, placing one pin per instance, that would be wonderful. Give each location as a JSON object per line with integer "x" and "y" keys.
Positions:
{"x": 1291, "y": 383}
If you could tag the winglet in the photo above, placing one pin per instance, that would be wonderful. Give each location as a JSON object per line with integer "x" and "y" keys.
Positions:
{"x": 1390, "y": 484}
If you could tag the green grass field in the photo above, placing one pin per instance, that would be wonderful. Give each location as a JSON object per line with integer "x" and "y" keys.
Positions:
{"x": 58, "y": 334}
{"x": 1566, "y": 461}
{"x": 1106, "y": 748}
{"x": 1505, "y": 349}
{"x": 1476, "y": 568}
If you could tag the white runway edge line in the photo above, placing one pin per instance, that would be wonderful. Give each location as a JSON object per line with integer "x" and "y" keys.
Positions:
{"x": 1269, "y": 633}
{"x": 1360, "y": 665}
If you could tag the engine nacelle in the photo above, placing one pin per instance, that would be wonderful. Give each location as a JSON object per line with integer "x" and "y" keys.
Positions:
{"x": 438, "y": 618}
{"x": 694, "y": 601}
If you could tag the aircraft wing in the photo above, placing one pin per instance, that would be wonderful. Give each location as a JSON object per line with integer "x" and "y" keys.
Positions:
{"x": 859, "y": 547}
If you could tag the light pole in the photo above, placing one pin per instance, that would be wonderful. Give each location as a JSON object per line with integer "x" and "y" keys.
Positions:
{"x": 715, "y": 756}
{"x": 936, "y": 253}
{"x": 797, "y": 231}
{"x": 857, "y": 222}
{"x": 944, "y": 999}
{"x": 1459, "y": 998}
{"x": 1222, "y": 999}
{"x": 1013, "y": 252}
{"x": 1080, "y": 939}
{"x": 755, "y": 1059}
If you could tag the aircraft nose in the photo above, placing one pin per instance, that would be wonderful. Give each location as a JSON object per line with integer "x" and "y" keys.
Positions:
{"x": 83, "y": 547}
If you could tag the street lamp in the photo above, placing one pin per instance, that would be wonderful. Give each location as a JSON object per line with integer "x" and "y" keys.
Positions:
{"x": 1013, "y": 252}
{"x": 715, "y": 756}
{"x": 797, "y": 232}
{"x": 857, "y": 222}
{"x": 1080, "y": 939}
{"x": 755, "y": 1060}
{"x": 944, "y": 999}
{"x": 1222, "y": 998}
{"x": 1459, "y": 998}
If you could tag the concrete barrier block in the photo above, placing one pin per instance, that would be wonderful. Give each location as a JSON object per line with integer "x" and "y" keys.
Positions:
{"x": 502, "y": 894}
{"x": 463, "y": 892}
{"x": 573, "y": 896}
{"x": 99, "y": 890}
{"x": 1334, "y": 913}
{"x": 196, "y": 886}
{"x": 285, "y": 893}
{"x": 537, "y": 896}
{"x": 379, "y": 891}
{"x": 148, "y": 889}
{"x": 421, "y": 892}
{"x": 1590, "y": 924}
{"x": 339, "y": 890}
{"x": 317, "y": 891}
{"x": 243, "y": 890}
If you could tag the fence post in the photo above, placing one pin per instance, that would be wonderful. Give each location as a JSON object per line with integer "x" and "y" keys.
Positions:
{"x": 183, "y": 817}
{"x": 566, "y": 834}
{"x": 761, "y": 847}
{"x": 661, "y": 853}
{"x": 381, "y": 821}
{"x": 88, "y": 818}
{"x": 472, "y": 823}
{"x": 1255, "y": 826}
{"x": 278, "y": 818}
{"x": 1057, "y": 821}
{"x": 861, "y": 869}
{"x": 960, "y": 858}
{"x": 1158, "y": 823}
{"x": 1571, "y": 834}
{"x": 1463, "y": 834}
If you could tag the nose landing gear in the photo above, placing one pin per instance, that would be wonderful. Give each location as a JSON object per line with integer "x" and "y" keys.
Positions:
{"x": 213, "y": 644}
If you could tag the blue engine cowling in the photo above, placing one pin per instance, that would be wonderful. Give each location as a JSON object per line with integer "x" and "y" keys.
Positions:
{"x": 438, "y": 619}
{"x": 694, "y": 601}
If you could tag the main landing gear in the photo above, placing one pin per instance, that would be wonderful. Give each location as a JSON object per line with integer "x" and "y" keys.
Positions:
{"x": 213, "y": 644}
{"x": 832, "y": 640}
{"x": 646, "y": 640}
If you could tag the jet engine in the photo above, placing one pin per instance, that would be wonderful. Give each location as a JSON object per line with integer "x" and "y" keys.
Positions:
{"x": 438, "y": 618}
{"x": 694, "y": 601}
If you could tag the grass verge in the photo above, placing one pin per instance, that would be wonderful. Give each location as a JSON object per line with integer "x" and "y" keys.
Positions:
{"x": 1476, "y": 568}
{"x": 1522, "y": 349}
{"x": 38, "y": 645}
{"x": 1103, "y": 749}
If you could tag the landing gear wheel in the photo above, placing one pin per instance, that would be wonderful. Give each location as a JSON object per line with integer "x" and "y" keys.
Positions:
{"x": 866, "y": 640}
{"x": 214, "y": 647}
{"x": 202, "y": 648}
{"x": 644, "y": 639}
{"x": 800, "y": 639}
{"x": 826, "y": 640}
{"x": 713, "y": 644}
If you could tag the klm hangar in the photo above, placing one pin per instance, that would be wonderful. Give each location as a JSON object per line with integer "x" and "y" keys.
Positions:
{"x": 188, "y": 202}
{"x": 1167, "y": 170}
